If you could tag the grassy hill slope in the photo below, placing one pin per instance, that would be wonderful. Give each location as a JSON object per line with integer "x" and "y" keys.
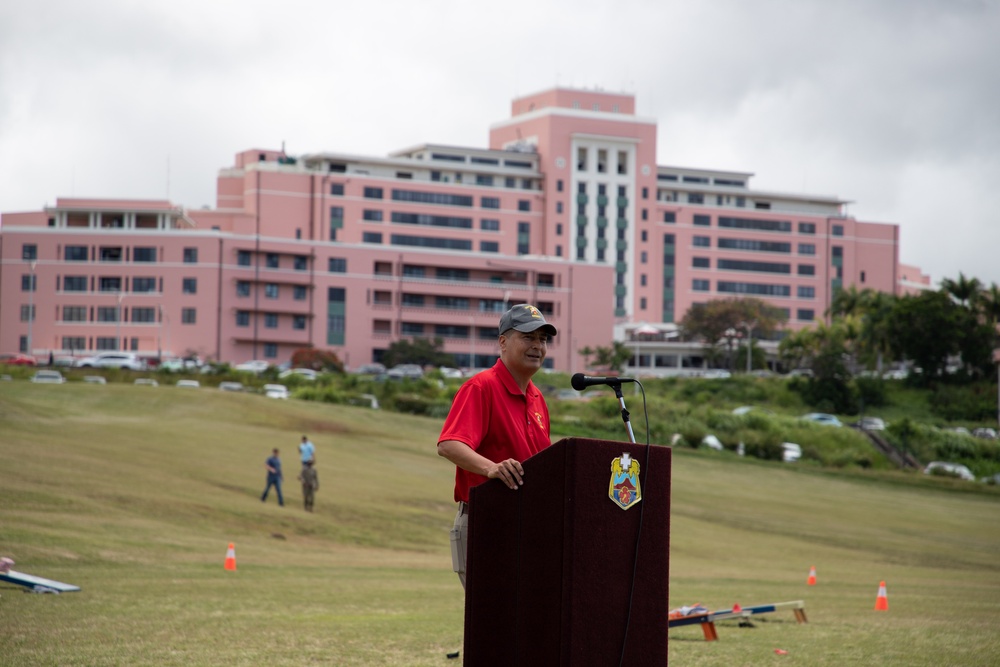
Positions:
{"x": 133, "y": 493}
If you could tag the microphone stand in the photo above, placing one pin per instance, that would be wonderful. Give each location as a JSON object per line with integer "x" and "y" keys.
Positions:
{"x": 617, "y": 386}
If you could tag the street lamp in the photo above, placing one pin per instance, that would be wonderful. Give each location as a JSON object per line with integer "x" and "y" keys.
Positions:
{"x": 31, "y": 305}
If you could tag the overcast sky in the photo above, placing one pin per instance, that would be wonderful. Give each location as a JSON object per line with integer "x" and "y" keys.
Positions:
{"x": 891, "y": 104}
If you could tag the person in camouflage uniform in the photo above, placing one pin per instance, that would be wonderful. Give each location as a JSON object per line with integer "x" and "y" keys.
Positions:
{"x": 310, "y": 485}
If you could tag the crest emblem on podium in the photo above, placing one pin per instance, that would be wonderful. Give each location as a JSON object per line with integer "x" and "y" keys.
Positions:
{"x": 624, "y": 488}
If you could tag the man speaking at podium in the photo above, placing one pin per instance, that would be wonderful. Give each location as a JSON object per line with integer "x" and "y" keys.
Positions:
{"x": 498, "y": 418}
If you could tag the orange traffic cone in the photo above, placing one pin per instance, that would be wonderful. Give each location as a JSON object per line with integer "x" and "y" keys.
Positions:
{"x": 231, "y": 557}
{"x": 812, "y": 576}
{"x": 882, "y": 601}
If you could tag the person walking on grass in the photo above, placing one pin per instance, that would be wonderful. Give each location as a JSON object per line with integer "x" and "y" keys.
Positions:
{"x": 273, "y": 465}
{"x": 310, "y": 485}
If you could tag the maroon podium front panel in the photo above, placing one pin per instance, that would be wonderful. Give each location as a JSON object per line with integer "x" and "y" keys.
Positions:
{"x": 558, "y": 573}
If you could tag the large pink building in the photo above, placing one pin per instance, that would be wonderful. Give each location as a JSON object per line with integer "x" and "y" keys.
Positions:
{"x": 567, "y": 208}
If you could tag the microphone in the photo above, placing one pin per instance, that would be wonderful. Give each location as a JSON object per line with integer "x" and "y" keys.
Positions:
{"x": 581, "y": 381}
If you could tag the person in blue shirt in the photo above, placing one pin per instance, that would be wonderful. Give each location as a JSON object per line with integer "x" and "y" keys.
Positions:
{"x": 308, "y": 452}
{"x": 273, "y": 465}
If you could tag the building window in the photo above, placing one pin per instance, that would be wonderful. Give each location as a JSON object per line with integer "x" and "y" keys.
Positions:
{"x": 189, "y": 316}
{"x": 337, "y": 189}
{"x": 271, "y": 290}
{"x": 523, "y": 238}
{"x": 75, "y": 284}
{"x": 144, "y": 285}
{"x": 190, "y": 286}
{"x": 559, "y": 207}
{"x": 144, "y": 254}
{"x": 371, "y": 237}
{"x": 144, "y": 315}
{"x": 807, "y": 228}
{"x": 72, "y": 343}
{"x": 107, "y": 313}
{"x": 373, "y": 193}
{"x": 109, "y": 284}
{"x": 299, "y": 292}
{"x": 699, "y": 285}
{"x": 489, "y": 225}
{"x": 489, "y": 246}
{"x": 701, "y": 262}
{"x": 299, "y": 322}
{"x": 804, "y": 292}
{"x": 669, "y": 217}
{"x": 805, "y": 314}
{"x": 703, "y": 220}
{"x": 301, "y": 262}
{"x": 190, "y": 255}
{"x": 74, "y": 314}
{"x": 242, "y": 318}
{"x": 807, "y": 270}
{"x": 372, "y": 215}
{"x": 702, "y": 241}
{"x": 270, "y": 350}
{"x": 337, "y": 265}
{"x": 28, "y": 313}
{"x": 29, "y": 282}
{"x": 862, "y": 276}
{"x": 243, "y": 258}
{"x": 695, "y": 198}
{"x": 273, "y": 260}
{"x": 807, "y": 248}
{"x": 523, "y": 205}
{"x": 75, "y": 253}
{"x": 838, "y": 230}
{"x": 490, "y": 202}
{"x": 642, "y": 280}
{"x": 29, "y": 251}
{"x": 559, "y": 185}
{"x": 336, "y": 322}
{"x": 242, "y": 288}
{"x": 643, "y": 257}
{"x": 271, "y": 320}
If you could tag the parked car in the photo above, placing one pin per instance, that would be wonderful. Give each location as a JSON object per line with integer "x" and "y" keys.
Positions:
{"x": 370, "y": 369}
{"x": 231, "y": 386}
{"x": 871, "y": 424}
{"x": 303, "y": 373}
{"x": 190, "y": 384}
{"x": 716, "y": 374}
{"x": 451, "y": 373}
{"x": 985, "y": 432}
{"x": 800, "y": 372}
{"x": 127, "y": 360}
{"x": 822, "y": 418}
{"x": 48, "y": 377}
{"x": 146, "y": 382}
{"x": 790, "y": 452}
{"x": 18, "y": 360}
{"x": 949, "y": 470}
{"x": 276, "y": 391}
{"x": 252, "y": 366}
{"x": 405, "y": 371}
{"x": 94, "y": 379}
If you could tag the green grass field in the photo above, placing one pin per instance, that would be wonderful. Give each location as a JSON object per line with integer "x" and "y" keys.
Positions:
{"x": 133, "y": 493}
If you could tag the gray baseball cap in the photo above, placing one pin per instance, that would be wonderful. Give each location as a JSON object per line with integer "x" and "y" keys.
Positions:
{"x": 525, "y": 318}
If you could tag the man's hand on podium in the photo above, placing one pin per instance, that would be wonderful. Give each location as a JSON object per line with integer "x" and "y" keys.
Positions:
{"x": 509, "y": 471}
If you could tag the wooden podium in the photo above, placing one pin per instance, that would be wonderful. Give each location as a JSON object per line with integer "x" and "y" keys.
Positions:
{"x": 558, "y": 573}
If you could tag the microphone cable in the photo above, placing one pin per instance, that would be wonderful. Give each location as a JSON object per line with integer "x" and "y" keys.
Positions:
{"x": 638, "y": 532}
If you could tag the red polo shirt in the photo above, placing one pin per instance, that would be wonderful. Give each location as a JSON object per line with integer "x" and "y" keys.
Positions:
{"x": 493, "y": 417}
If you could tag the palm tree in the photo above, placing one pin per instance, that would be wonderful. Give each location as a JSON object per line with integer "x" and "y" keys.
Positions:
{"x": 967, "y": 291}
